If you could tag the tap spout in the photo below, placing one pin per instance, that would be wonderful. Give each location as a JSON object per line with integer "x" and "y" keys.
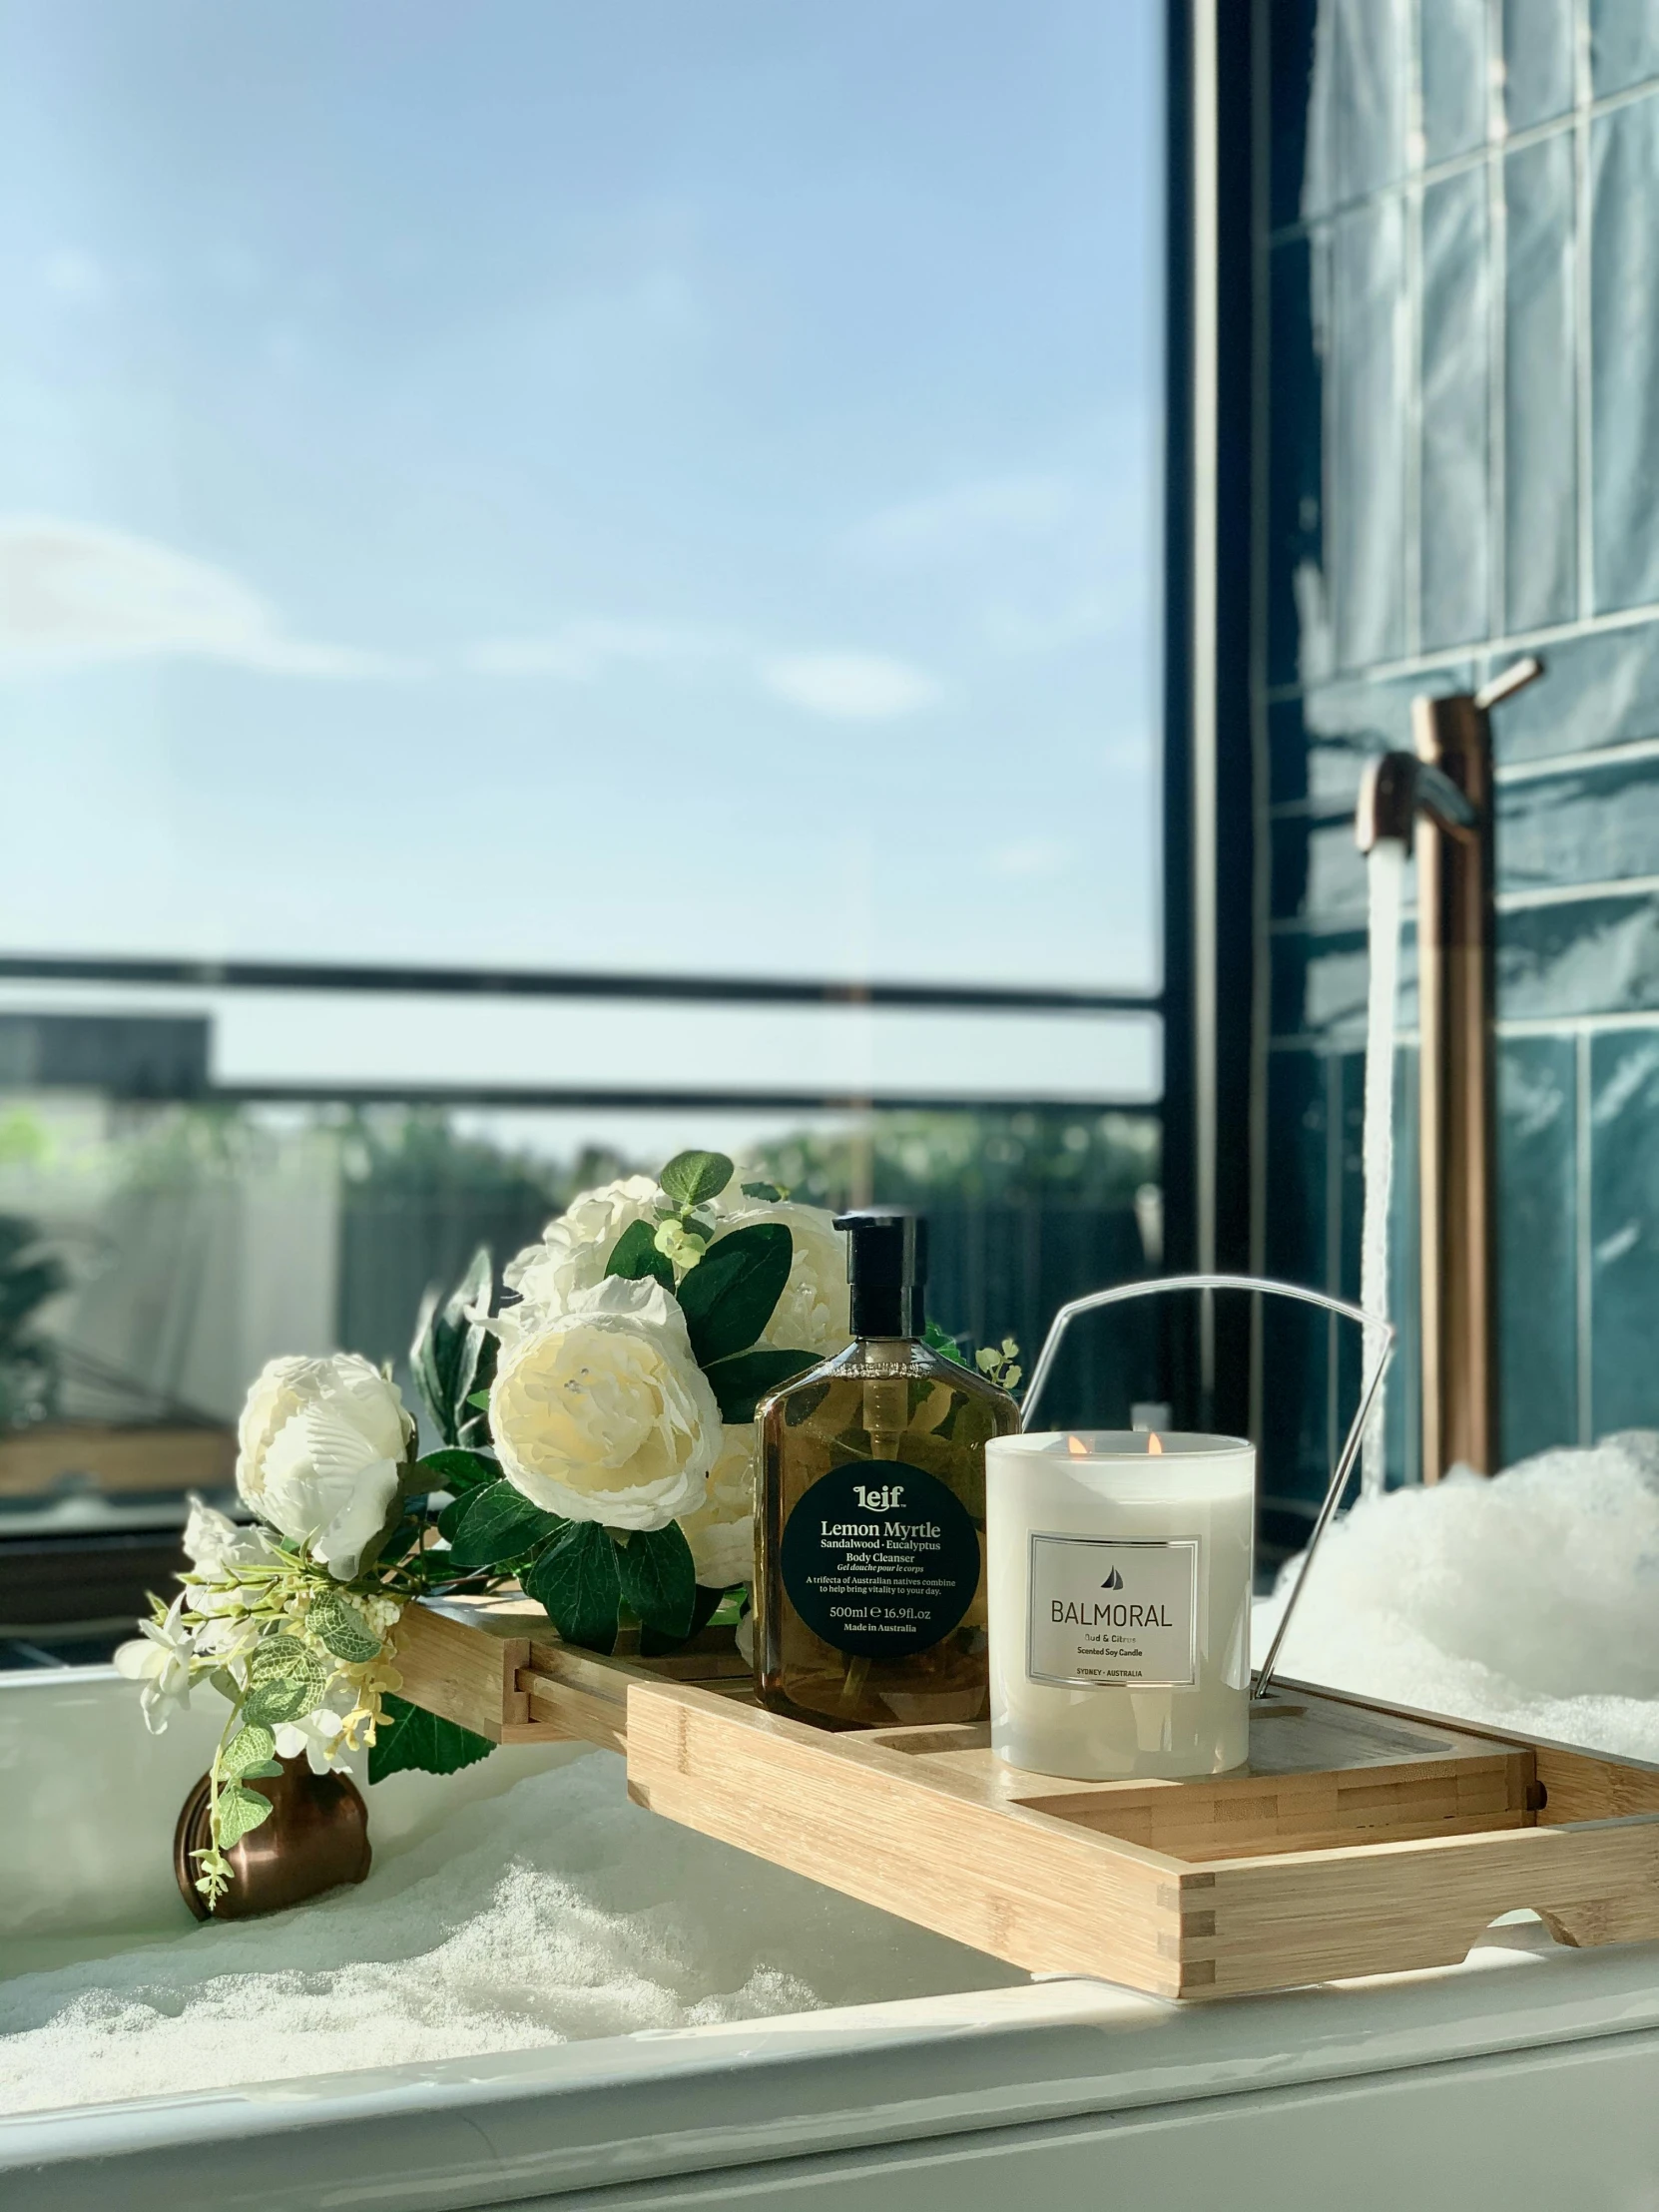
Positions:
{"x": 1396, "y": 789}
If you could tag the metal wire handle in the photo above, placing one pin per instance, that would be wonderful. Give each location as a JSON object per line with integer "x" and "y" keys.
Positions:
{"x": 1123, "y": 1292}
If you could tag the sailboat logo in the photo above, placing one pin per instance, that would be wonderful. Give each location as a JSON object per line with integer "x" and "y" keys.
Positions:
{"x": 1114, "y": 1581}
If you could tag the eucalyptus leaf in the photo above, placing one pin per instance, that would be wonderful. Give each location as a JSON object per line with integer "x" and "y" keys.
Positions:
{"x": 240, "y": 1811}
{"x": 742, "y": 1381}
{"x": 287, "y": 1680}
{"x": 693, "y": 1178}
{"x": 657, "y": 1579}
{"x": 343, "y": 1629}
{"x": 249, "y": 1747}
{"x": 497, "y": 1523}
{"x": 728, "y": 1297}
{"x": 636, "y": 1256}
{"x": 577, "y": 1582}
{"x": 409, "y": 1739}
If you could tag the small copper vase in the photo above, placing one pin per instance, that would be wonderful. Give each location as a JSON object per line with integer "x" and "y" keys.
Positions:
{"x": 316, "y": 1838}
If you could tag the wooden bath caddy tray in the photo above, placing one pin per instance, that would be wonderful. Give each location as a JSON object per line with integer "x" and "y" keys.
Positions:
{"x": 1361, "y": 1840}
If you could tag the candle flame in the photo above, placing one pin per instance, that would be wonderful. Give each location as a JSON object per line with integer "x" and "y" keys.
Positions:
{"x": 1154, "y": 1448}
{"x": 1077, "y": 1447}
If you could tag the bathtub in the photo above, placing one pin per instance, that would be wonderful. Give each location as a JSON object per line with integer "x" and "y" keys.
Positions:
{"x": 1527, "y": 2075}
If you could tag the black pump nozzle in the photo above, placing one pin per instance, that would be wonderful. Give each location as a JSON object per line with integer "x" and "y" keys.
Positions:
{"x": 887, "y": 1264}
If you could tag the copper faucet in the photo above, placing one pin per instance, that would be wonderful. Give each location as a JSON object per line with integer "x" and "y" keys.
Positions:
{"x": 1447, "y": 782}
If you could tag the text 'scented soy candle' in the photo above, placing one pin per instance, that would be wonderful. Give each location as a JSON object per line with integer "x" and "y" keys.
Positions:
{"x": 1119, "y": 1579}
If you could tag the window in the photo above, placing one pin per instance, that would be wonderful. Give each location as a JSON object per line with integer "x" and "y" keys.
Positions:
{"x": 648, "y": 489}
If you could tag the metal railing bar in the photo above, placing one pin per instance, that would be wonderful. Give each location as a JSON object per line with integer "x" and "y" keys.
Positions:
{"x": 589, "y": 1099}
{"x": 737, "y": 990}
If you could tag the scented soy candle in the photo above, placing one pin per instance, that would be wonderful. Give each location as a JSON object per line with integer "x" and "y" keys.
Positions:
{"x": 1118, "y": 1588}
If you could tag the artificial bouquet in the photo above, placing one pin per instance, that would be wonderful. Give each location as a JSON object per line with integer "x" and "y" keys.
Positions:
{"x": 598, "y": 1449}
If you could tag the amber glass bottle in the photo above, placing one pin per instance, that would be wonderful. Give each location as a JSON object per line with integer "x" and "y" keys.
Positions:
{"x": 870, "y": 1590}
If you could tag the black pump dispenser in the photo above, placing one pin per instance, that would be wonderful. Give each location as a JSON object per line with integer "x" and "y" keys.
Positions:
{"x": 887, "y": 1264}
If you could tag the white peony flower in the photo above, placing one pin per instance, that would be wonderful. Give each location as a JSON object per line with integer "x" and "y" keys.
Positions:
{"x": 212, "y": 1541}
{"x": 158, "y": 1656}
{"x": 322, "y": 1444}
{"x": 815, "y": 1311}
{"x": 722, "y": 1530}
{"x": 319, "y": 1735}
{"x": 598, "y": 1409}
{"x": 573, "y": 1252}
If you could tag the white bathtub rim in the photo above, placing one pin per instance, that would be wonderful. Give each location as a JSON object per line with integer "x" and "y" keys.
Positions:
{"x": 489, "y": 2129}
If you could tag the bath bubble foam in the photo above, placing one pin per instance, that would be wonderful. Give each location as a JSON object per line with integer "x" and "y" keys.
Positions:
{"x": 552, "y": 1913}
{"x": 1530, "y": 1601}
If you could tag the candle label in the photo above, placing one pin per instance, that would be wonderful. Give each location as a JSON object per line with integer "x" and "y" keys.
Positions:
{"x": 881, "y": 1559}
{"x": 1113, "y": 1613}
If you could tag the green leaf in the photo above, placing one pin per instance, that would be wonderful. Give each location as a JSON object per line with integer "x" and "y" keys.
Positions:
{"x": 576, "y": 1579}
{"x": 480, "y": 1397}
{"x": 741, "y": 1382}
{"x": 457, "y": 1471}
{"x": 692, "y": 1178}
{"x": 453, "y": 1355}
{"x": 706, "y": 1603}
{"x": 287, "y": 1681}
{"x": 496, "y": 1524}
{"x": 250, "y": 1750}
{"x": 767, "y": 1190}
{"x": 636, "y": 1256}
{"x": 343, "y": 1629}
{"x": 240, "y": 1811}
{"x": 411, "y": 1740}
{"x": 659, "y": 1581}
{"x": 728, "y": 1297}
{"x": 264, "y": 1772}
{"x": 938, "y": 1340}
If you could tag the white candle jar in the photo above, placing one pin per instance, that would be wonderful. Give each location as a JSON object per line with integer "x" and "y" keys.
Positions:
{"x": 1118, "y": 1587}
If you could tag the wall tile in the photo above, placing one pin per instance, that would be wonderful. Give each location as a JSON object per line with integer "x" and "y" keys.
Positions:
{"x": 1540, "y": 468}
{"x": 1356, "y": 101}
{"x": 1590, "y": 826}
{"x": 1586, "y": 956}
{"x": 1318, "y": 872}
{"x": 1537, "y": 1233}
{"x": 1318, "y": 743}
{"x": 1451, "y": 36}
{"x": 1299, "y": 639}
{"x": 1599, "y": 690}
{"x": 1624, "y": 44}
{"x": 1624, "y": 322}
{"x": 1455, "y": 502}
{"x": 1368, "y": 432}
{"x": 1537, "y": 61}
{"x": 1318, "y": 980}
{"x": 1296, "y": 1344}
{"x": 1624, "y": 1231}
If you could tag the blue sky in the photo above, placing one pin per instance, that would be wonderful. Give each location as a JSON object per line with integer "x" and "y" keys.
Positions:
{"x": 630, "y": 484}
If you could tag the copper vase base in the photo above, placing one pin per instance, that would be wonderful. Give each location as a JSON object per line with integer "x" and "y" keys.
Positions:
{"x": 316, "y": 1838}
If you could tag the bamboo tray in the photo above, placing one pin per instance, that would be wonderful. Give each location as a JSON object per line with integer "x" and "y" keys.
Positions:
{"x": 1360, "y": 1838}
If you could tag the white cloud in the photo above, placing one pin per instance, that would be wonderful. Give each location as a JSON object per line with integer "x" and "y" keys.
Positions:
{"x": 580, "y": 651}
{"x": 850, "y": 687}
{"x": 72, "y": 593}
{"x": 959, "y": 523}
{"x": 1032, "y": 856}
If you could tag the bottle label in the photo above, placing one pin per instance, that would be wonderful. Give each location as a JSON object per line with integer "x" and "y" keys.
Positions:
{"x": 1111, "y": 1613}
{"x": 880, "y": 1558}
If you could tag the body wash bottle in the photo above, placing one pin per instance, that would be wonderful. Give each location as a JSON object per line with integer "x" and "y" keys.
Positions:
{"x": 869, "y": 1587}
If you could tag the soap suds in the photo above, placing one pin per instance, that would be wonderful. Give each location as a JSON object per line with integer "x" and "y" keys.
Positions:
{"x": 553, "y": 1913}
{"x": 1530, "y": 1601}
